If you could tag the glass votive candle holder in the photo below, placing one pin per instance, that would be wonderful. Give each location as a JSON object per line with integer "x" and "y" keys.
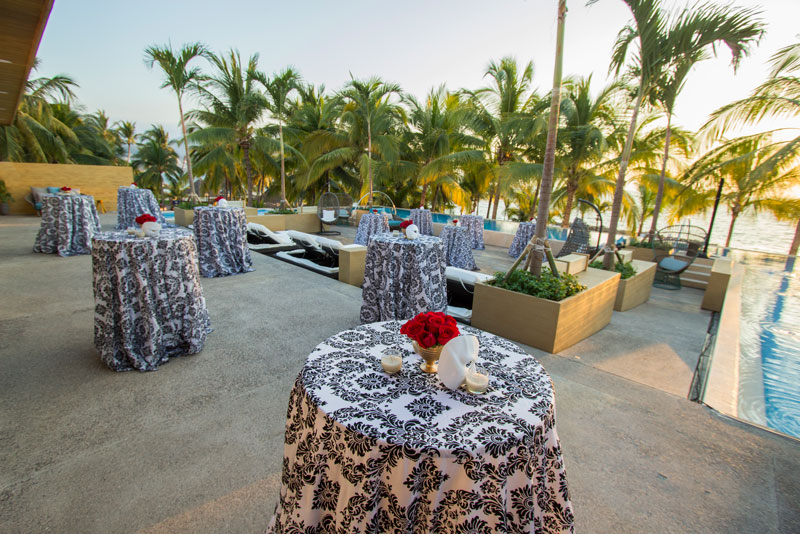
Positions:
{"x": 392, "y": 362}
{"x": 477, "y": 379}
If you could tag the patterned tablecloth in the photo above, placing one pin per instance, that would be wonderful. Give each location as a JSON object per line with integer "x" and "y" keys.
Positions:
{"x": 423, "y": 219}
{"x": 403, "y": 277}
{"x": 149, "y": 304}
{"x": 457, "y": 249}
{"x": 221, "y": 235}
{"x": 68, "y": 224}
{"x": 521, "y": 238}
{"x": 474, "y": 223}
{"x": 135, "y": 201}
{"x": 369, "y": 452}
{"x": 369, "y": 225}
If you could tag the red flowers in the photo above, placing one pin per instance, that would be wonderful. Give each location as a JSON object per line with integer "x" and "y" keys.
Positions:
{"x": 455, "y": 221}
{"x": 65, "y": 188}
{"x": 405, "y": 224}
{"x": 218, "y": 198}
{"x": 431, "y": 328}
{"x": 141, "y": 219}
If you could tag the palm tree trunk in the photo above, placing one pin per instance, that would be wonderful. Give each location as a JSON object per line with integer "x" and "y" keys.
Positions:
{"x": 496, "y": 198}
{"x": 795, "y": 241}
{"x": 546, "y": 187}
{"x": 248, "y": 169}
{"x": 619, "y": 188}
{"x": 369, "y": 159}
{"x": 186, "y": 146}
{"x": 424, "y": 193}
{"x": 489, "y": 208}
{"x": 660, "y": 194}
{"x": 734, "y": 214}
{"x": 129, "y": 153}
{"x": 283, "y": 171}
{"x": 568, "y": 209}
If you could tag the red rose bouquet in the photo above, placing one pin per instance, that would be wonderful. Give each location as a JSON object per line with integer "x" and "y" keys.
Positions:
{"x": 405, "y": 224}
{"x": 430, "y": 329}
{"x": 66, "y": 189}
{"x": 455, "y": 221}
{"x": 141, "y": 219}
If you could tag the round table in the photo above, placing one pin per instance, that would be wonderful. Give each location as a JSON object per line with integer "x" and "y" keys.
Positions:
{"x": 149, "y": 304}
{"x": 473, "y": 223}
{"x": 68, "y": 224}
{"x": 457, "y": 242}
{"x": 423, "y": 219}
{"x": 370, "y": 224}
{"x": 221, "y": 235}
{"x": 135, "y": 201}
{"x": 370, "y": 452}
{"x": 521, "y": 238}
{"x": 403, "y": 277}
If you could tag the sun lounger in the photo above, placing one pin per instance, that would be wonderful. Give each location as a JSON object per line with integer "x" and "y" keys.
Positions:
{"x": 460, "y": 291}
{"x": 262, "y": 239}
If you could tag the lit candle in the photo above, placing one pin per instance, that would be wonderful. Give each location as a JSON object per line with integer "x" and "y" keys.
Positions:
{"x": 392, "y": 363}
{"x": 477, "y": 380}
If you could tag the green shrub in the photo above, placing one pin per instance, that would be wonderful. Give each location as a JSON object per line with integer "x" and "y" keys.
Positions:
{"x": 5, "y": 196}
{"x": 545, "y": 286}
{"x": 625, "y": 269}
{"x": 283, "y": 211}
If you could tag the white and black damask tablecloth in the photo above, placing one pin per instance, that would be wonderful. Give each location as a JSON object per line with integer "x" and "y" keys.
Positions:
{"x": 423, "y": 219}
{"x": 68, "y": 224}
{"x": 473, "y": 223}
{"x": 222, "y": 241}
{"x": 370, "y": 224}
{"x": 149, "y": 304}
{"x": 457, "y": 249}
{"x": 521, "y": 238}
{"x": 403, "y": 277}
{"x": 369, "y": 452}
{"x": 135, "y": 201}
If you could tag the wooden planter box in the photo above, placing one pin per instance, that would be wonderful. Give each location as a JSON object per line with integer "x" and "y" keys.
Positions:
{"x": 546, "y": 324}
{"x": 636, "y": 289}
{"x": 183, "y": 217}
{"x": 642, "y": 253}
{"x": 301, "y": 222}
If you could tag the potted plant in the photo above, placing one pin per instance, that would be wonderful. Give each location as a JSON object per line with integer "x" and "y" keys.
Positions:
{"x": 5, "y": 198}
{"x": 636, "y": 280}
{"x": 549, "y": 312}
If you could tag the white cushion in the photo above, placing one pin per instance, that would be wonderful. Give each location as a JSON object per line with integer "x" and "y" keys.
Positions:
{"x": 468, "y": 277}
{"x": 331, "y": 243}
{"x": 280, "y": 237}
{"x": 300, "y": 236}
{"x": 328, "y": 215}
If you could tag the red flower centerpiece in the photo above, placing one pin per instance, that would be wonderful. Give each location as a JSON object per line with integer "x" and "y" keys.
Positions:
{"x": 66, "y": 189}
{"x": 429, "y": 332}
{"x": 405, "y": 224}
{"x": 455, "y": 222}
{"x": 141, "y": 219}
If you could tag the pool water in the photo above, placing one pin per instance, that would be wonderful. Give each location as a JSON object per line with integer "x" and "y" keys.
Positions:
{"x": 769, "y": 365}
{"x": 170, "y": 215}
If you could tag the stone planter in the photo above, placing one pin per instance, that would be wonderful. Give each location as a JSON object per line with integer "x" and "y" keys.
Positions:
{"x": 183, "y": 217}
{"x": 546, "y": 324}
{"x": 636, "y": 289}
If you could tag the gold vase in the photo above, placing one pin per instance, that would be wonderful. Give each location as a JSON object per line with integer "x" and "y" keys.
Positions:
{"x": 430, "y": 355}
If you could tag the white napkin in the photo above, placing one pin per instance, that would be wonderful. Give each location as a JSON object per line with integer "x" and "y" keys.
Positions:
{"x": 222, "y": 203}
{"x": 456, "y": 354}
{"x": 151, "y": 229}
{"x": 412, "y": 232}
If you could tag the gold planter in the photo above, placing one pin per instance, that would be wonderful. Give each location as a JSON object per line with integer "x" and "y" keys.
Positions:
{"x": 430, "y": 355}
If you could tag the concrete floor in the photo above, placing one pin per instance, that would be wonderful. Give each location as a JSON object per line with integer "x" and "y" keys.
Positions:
{"x": 196, "y": 446}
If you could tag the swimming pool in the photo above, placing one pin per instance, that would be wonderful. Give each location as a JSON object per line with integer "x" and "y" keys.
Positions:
{"x": 769, "y": 361}
{"x": 170, "y": 215}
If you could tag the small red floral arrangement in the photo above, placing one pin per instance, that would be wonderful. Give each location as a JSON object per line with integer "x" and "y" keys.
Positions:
{"x": 141, "y": 219}
{"x": 405, "y": 224}
{"x": 133, "y": 184}
{"x": 455, "y": 221}
{"x": 374, "y": 211}
{"x": 429, "y": 329}
{"x": 65, "y": 189}
{"x": 218, "y": 198}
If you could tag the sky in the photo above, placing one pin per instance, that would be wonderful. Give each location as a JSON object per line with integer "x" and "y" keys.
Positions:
{"x": 419, "y": 44}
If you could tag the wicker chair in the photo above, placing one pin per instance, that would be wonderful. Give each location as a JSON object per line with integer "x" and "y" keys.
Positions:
{"x": 577, "y": 240}
{"x": 328, "y": 213}
{"x": 675, "y": 248}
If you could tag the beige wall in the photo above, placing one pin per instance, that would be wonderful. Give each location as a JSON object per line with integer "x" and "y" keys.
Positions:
{"x": 100, "y": 181}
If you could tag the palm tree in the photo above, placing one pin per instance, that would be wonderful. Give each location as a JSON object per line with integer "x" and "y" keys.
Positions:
{"x": 37, "y": 135}
{"x": 753, "y": 177}
{"x": 550, "y": 149}
{"x": 179, "y": 77}
{"x": 233, "y": 107}
{"x": 499, "y": 116}
{"x": 278, "y": 90}
{"x": 156, "y": 162}
{"x": 651, "y": 61}
{"x": 127, "y": 132}
{"x": 692, "y": 36}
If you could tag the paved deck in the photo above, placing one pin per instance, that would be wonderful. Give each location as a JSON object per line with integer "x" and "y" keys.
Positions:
{"x": 196, "y": 446}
